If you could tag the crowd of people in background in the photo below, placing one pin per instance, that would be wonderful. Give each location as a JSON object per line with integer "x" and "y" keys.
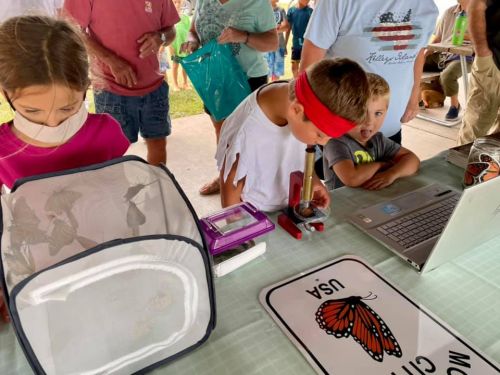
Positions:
{"x": 330, "y": 101}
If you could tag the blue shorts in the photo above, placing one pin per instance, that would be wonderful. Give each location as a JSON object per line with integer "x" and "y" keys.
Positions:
{"x": 276, "y": 62}
{"x": 148, "y": 114}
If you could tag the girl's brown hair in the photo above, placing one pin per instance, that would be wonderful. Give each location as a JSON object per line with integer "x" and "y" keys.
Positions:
{"x": 341, "y": 85}
{"x": 38, "y": 50}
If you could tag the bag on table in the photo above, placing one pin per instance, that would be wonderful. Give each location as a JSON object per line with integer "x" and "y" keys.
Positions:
{"x": 104, "y": 269}
{"x": 217, "y": 77}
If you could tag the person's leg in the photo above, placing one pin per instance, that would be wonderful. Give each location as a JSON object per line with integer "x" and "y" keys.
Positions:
{"x": 155, "y": 124}
{"x": 481, "y": 115}
{"x": 279, "y": 64}
{"x": 295, "y": 68}
{"x": 175, "y": 73}
{"x": 449, "y": 81}
{"x": 185, "y": 80}
{"x": 296, "y": 54}
{"x": 270, "y": 58}
{"x": 157, "y": 150}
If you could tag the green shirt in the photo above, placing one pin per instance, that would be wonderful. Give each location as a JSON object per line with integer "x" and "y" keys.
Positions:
{"x": 255, "y": 16}
{"x": 181, "y": 34}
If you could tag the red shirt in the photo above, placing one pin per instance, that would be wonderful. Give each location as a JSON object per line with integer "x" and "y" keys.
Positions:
{"x": 117, "y": 25}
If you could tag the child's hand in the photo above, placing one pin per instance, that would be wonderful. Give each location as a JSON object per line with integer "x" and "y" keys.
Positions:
{"x": 190, "y": 46}
{"x": 380, "y": 180}
{"x": 3, "y": 309}
{"x": 321, "y": 197}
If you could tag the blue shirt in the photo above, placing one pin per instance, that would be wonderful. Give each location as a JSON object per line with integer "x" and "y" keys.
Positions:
{"x": 298, "y": 18}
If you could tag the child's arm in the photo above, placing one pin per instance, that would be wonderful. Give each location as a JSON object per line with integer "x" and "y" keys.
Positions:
{"x": 356, "y": 175}
{"x": 230, "y": 194}
{"x": 283, "y": 26}
{"x": 321, "y": 197}
{"x": 405, "y": 163}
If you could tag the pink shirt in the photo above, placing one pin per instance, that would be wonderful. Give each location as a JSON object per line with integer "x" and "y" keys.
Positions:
{"x": 117, "y": 25}
{"x": 100, "y": 139}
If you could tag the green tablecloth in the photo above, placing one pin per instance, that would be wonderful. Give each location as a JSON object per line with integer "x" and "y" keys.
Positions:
{"x": 465, "y": 293}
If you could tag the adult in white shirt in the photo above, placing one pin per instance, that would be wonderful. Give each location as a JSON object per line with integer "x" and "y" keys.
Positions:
{"x": 14, "y": 8}
{"x": 386, "y": 37}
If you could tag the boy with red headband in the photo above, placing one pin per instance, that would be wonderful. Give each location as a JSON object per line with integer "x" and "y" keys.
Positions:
{"x": 364, "y": 156}
{"x": 265, "y": 138}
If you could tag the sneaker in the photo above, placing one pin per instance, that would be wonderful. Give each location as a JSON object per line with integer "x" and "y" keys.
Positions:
{"x": 453, "y": 113}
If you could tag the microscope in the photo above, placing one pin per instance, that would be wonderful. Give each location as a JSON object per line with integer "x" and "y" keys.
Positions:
{"x": 301, "y": 213}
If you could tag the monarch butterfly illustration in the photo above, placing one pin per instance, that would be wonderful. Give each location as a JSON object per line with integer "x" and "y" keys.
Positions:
{"x": 352, "y": 317}
{"x": 483, "y": 170}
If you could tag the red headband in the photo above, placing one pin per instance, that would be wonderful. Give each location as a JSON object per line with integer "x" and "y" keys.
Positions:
{"x": 328, "y": 122}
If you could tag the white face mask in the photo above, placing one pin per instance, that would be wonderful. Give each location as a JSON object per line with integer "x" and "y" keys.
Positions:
{"x": 51, "y": 134}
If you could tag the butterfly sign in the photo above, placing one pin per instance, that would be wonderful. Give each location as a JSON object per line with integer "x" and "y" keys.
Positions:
{"x": 345, "y": 318}
{"x": 480, "y": 171}
{"x": 352, "y": 317}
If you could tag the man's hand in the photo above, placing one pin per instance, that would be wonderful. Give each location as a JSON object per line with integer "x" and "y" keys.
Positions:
{"x": 411, "y": 110}
{"x": 232, "y": 35}
{"x": 123, "y": 73}
{"x": 380, "y": 180}
{"x": 150, "y": 44}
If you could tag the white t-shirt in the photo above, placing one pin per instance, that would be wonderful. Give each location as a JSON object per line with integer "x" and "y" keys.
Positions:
{"x": 267, "y": 155}
{"x": 383, "y": 36}
{"x": 14, "y": 8}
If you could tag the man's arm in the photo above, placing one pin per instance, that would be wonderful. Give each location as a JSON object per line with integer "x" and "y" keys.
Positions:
{"x": 122, "y": 72}
{"x": 412, "y": 106}
{"x": 266, "y": 41}
{"x": 477, "y": 27}
{"x": 310, "y": 54}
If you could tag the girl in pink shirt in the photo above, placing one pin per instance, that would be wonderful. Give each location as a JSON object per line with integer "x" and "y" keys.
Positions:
{"x": 44, "y": 77}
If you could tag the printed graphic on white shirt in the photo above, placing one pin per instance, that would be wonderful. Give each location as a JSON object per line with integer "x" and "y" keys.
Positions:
{"x": 395, "y": 32}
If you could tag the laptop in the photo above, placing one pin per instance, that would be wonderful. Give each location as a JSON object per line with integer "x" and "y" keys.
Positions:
{"x": 434, "y": 224}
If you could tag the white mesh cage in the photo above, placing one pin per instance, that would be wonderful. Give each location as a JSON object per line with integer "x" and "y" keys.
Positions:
{"x": 105, "y": 269}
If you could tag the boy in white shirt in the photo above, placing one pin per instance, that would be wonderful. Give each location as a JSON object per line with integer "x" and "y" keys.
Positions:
{"x": 265, "y": 138}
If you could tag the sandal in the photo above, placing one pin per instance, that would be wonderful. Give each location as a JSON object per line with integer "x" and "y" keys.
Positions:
{"x": 212, "y": 187}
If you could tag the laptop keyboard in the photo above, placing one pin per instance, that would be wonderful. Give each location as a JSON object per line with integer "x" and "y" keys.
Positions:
{"x": 414, "y": 228}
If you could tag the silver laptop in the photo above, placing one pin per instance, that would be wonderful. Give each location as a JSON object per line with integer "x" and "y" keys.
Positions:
{"x": 434, "y": 224}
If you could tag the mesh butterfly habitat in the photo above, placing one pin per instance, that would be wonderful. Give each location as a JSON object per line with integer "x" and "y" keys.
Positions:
{"x": 105, "y": 269}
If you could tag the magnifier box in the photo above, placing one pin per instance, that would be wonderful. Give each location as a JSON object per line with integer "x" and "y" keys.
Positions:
{"x": 234, "y": 225}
